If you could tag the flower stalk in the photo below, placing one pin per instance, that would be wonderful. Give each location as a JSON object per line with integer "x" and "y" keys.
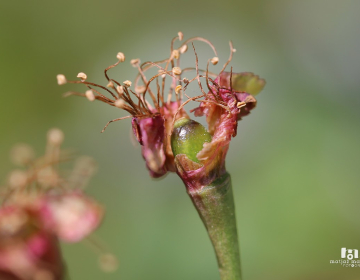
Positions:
{"x": 215, "y": 205}
{"x": 209, "y": 187}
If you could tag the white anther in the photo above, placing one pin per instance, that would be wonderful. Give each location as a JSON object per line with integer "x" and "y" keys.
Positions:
{"x": 61, "y": 79}
{"x": 82, "y": 76}
{"x": 120, "y": 56}
{"x": 90, "y": 95}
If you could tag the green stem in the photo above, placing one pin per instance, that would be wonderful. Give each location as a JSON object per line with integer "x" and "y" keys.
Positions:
{"x": 215, "y": 205}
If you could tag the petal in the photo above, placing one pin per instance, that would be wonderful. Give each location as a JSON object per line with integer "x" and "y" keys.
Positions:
{"x": 71, "y": 216}
{"x": 150, "y": 134}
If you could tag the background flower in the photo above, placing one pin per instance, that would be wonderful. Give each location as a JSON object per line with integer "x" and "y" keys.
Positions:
{"x": 41, "y": 204}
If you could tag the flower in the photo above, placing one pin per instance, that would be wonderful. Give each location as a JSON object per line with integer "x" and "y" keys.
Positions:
{"x": 152, "y": 124}
{"x": 25, "y": 248}
{"x": 40, "y": 206}
{"x": 172, "y": 142}
{"x": 223, "y": 106}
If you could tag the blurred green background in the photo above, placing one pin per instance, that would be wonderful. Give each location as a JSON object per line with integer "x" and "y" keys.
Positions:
{"x": 295, "y": 163}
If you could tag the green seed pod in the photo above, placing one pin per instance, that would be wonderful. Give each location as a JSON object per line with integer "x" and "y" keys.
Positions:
{"x": 188, "y": 137}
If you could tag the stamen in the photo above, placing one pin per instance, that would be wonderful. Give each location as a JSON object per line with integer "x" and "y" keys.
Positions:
{"x": 180, "y": 35}
{"x": 69, "y": 93}
{"x": 207, "y": 79}
{"x": 200, "y": 70}
{"x": 202, "y": 40}
{"x": 197, "y": 70}
{"x": 147, "y": 88}
{"x": 88, "y": 84}
{"x": 231, "y": 89}
{"x": 149, "y": 105}
{"x": 169, "y": 98}
{"x": 230, "y": 57}
{"x": 115, "y": 120}
{"x": 146, "y": 66}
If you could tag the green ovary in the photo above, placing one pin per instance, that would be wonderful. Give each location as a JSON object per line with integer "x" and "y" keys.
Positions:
{"x": 188, "y": 137}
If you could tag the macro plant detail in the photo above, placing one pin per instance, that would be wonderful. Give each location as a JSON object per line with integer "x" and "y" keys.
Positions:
{"x": 172, "y": 142}
{"x": 43, "y": 203}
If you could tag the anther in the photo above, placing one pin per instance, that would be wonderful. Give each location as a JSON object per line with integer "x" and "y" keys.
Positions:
{"x": 82, "y": 76}
{"x": 110, "y": 85}
{"x": 119, "y": 103}
{"x": 180, "y": 35}
{"x": 176, "y": 70}
{"x": 178, "y": 89}
{"x": 120, "y": 56}
{"x": 176, "y": 54}
{"x": 61, "y": 79}
{"x": 90, "y": 95}
{"x": 127, "y": 83}
{"x": 135, "y": 62}
{"x": 214, "y": 60}
{"x": 120, "y": 89}
{"x": 140, "y": 89}
{"x": 55, "y": 136}
{"x": 183, "y": 49}
{"x": 240, "y": 104}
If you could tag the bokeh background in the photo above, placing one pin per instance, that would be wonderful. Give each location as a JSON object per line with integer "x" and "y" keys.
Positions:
{"x": 295, "y": 163}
